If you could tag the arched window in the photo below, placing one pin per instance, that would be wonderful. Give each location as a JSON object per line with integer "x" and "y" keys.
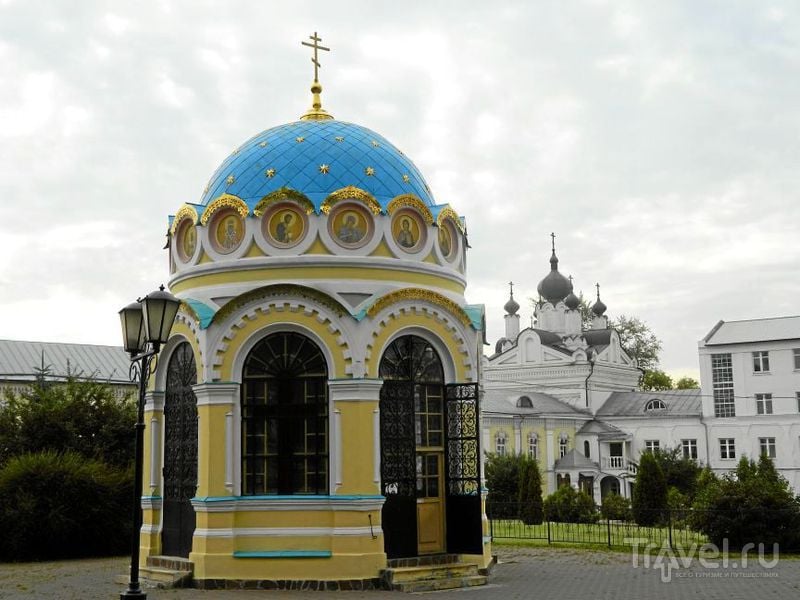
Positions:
{"x": 533, "y": 445}
{"x": 586, "y": 448}
{"x": 524, "y": 402}
{"x": 285, "y": 417}
{"x": 500, "y": 443}
{"x": 655, "y": 405}
{"x": 563, "y": 445}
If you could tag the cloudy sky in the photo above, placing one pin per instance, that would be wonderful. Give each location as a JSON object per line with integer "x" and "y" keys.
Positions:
{"x": 659, "y": 140}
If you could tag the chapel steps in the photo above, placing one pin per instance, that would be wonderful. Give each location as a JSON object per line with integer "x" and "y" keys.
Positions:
{"x": 431, "y": 573}
{"x": 167, "y": 572}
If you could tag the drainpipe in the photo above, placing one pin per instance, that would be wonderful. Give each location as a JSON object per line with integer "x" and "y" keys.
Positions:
{"x": 592, "y": 358}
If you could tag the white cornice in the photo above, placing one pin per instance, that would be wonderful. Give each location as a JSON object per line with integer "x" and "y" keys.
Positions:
{"x": 355, "y": 390}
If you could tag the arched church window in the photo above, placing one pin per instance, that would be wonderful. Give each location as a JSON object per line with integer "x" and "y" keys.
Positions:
{"x": 533, "y": 446}
{"x": 524, "y": 402}
{"x": 563, "y": 445}
{"x": 655, "y": 404}
{"x": 586, "y": 448}
{"x": 285, "y": 417}
{"x": 500, "y": 440}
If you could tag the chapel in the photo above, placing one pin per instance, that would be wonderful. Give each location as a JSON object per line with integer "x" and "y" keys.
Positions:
{"x": 314, "y": 417}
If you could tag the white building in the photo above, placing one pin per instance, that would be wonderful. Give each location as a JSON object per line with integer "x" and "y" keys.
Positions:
{"x": 750, "y": 376}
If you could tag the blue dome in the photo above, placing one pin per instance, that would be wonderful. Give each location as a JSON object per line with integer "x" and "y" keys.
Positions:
{"x": 293, "y": 155}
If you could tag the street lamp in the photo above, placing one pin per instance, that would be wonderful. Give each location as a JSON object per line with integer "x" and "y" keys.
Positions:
{"x": 146, "y": 324}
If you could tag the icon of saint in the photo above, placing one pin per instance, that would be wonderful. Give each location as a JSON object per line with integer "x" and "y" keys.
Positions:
{"x": 350, "y": 232}
{"x": 231, "y": 238}
{"x": 283, "y": 231}
{"x": 189, "y": 241}
{"x": 405, "y": 237}
{"x": 444, "y": 241}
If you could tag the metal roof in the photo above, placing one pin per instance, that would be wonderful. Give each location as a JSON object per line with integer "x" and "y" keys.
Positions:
{"x": 679, "y": 403}
{"x": 754, "y": 330}
{"x": 505, "y": 402}
{"x": 19, "y": 361}
{"x": 574, "y": 460}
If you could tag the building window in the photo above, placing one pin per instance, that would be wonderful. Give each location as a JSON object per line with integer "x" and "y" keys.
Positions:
{"x": 562, "y": 480}
{"x": 689, "y": 448}
{"x": 500, "y": 443}
{"x": 586, "y": 449}
{"x": 655, "y": 405}
{"x": 797, "y": 359}
{"x": 764, "y": 404}
{"x": 761, "y": 361}
{"x": 767, "y": 446}
{"x": 285, "y": 417}
{"x": 722, "y": 383}
{"x": 524, "y": 402}
{"x": 533, "y": 446}
{"x": 797, "y": 395}
{"x": 652, "y": 445}
{"x": 563, "y": 445}
{"x": 727, "y": 448}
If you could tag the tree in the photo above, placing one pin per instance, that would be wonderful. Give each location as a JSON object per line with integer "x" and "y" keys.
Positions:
{"x": 649, "y": 502}
{"x": 530, "y": 493}
{"x": 638, "y": 340}
{"x": 567, "y": 505}
{"x": 686, "y": 383}
{"x": 82, "y": 416}
{"x": 502, "y": 480}
{"x": 656, "y": 380}
{"x": 680, "y": 473}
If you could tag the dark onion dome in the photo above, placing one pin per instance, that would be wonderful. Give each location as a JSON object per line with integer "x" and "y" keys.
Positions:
{"x": 599, "y": 307}
{"x": 498, "y": 347}
{"x": 572, "y": 301}
{"x": 555, "y": 286}
{"x": 512, "y": 306}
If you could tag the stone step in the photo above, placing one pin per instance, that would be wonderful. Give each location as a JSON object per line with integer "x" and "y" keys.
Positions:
{"x": 405, "y": 574}
{"x": 433, "y": 585}
{"x": 164, "y": 578}
{"x": 419, "y": 561}
{"x": 176, "y": 563}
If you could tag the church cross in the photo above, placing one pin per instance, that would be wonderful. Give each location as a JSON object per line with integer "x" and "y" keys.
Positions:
{"x": 553, "y": 241}
{"x": 511, "y": 285}
{"x": 597, "y": 285}
{"x": 316, "y": 47}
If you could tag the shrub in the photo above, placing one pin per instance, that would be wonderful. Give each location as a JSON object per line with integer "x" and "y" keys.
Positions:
{"x": 502, "y": 480}
{"x": 752, "y": 505}
{"x": 649, "y": 502}
{"x": 679, "y": 472}
{"x": 531, "y": 509}
{"x": 567, "y": 505}
{"x": 616, "y": 508}
{"x": 63, "y": 506}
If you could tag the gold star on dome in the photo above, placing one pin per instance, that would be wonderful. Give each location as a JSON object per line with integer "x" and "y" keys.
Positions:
{"x": 339, "y": 138}
{"x": 369, "y": 171}
{"x": 324, "y": 169}
{"x": 406, "y": 178}
{"x": 300, "y": 139}
{"x": 235, "y": 151}
{"x": 205, "y": 189}
{"x": 270, "y": 173}
{"x": 230, "y": 179}
{"x": 375, "y": 143}
{"x": 263, "y": 144}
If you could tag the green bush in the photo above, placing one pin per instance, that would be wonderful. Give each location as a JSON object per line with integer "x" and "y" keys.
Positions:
{"x": 531, "y": 509}
{"x": 616, "y": 508}
{"x": 752, "y": 505}
{"x": 566, "y": 505}
{"x": 63, "y": 506}
{"x": 649, "y": 502}
{"x": 502, "y": 480}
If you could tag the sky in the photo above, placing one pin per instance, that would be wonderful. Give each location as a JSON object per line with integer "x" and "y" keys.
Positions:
{"x": 658, "y": 140}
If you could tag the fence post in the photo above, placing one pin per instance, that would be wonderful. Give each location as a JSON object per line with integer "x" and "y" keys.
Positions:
{"x": 548, "y": 532}
{"x": 608, "y": 529}
{"x": 669, "y": 525}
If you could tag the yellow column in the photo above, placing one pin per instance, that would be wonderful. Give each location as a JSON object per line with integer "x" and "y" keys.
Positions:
{"x": 149, "y": 537}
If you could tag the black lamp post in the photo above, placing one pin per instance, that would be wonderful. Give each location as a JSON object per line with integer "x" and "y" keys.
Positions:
{"x": 146, "y": 324}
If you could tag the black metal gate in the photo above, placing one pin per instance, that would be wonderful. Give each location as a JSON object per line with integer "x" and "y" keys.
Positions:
{"x": 180, "y": 453}
{"x": 463, "y": 469}
{"x": 398, "y": 469}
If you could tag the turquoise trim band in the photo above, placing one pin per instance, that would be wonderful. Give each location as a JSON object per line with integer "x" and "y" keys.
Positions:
{"x": 284, "y": 554}
{"x": 283, "y": 498}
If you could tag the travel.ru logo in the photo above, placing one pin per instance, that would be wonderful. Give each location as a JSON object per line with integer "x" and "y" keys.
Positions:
{"x": 716, "y": 561}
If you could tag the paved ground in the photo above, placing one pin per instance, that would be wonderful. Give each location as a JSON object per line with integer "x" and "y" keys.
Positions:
{"x": 522, "y": 573}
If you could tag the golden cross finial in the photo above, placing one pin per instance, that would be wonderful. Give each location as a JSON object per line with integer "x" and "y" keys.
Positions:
{"x": 553, "y": 241}
{"x": 316, "y": 112}
{"x": 315, "y": 58}
{"x": 511, "y": 285}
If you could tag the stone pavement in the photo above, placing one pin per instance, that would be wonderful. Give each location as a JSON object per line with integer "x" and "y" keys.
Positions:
{"x": 542, "y": 572}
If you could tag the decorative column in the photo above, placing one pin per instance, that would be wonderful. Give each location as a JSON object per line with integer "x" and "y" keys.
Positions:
{"x": 150, "y": 538}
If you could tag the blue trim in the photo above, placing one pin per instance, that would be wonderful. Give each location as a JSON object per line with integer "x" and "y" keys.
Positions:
{"x": 204, "y": 312}
{"x": 151, "y": 498}
{"x": 289, "y": 497}
{"x": 475, "y": 313}
{"x": 283, "y": 554}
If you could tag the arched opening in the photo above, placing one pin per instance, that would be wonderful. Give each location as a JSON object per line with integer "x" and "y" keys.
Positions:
{"x": 586, "y": 448}
{"x": 284, "y": 405}
{"x": 180, "y": 453}
{"x": 609, "y": 485}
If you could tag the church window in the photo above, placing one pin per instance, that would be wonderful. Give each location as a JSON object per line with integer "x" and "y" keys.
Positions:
{"x": 524, "y": 402}
{"x": 500, "y": 443}
{"x": 727, "y": 448}
{"x": 722, "y": 383}
{"x": 689, "y": 448}
{"x": 797, "y": 359}
{"x": 767, "y": 447}
{"x": 563, "y": 445}
{"x": 764, "y": 404}
{"x": 285, "y": 417}
{"x": 652, "y": 445}
{"x": 586, "y": 448}
{"x": 533, "y": 446}
{"x": 655, "y": 405}
{"x": 761, "y": 361}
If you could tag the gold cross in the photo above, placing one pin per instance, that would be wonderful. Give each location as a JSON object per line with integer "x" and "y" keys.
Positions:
{"x": 316, "y": 47}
